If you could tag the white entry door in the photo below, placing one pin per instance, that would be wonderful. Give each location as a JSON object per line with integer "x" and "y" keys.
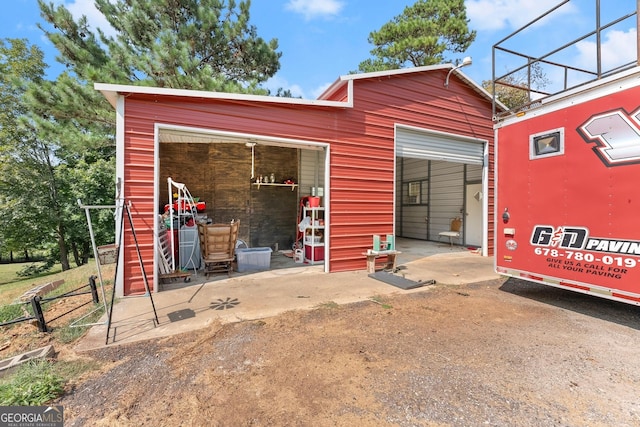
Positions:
{"x": 473, "y": 215}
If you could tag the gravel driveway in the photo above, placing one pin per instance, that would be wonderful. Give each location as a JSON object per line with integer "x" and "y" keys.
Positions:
{"x": 492, "y": 353}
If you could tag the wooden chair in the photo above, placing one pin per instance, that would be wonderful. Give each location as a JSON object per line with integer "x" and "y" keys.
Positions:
{"x": 218, "y": 244}
{"x": 454, "y": 230}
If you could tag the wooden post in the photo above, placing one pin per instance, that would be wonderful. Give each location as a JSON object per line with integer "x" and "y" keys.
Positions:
{"x": 37, "y": 312}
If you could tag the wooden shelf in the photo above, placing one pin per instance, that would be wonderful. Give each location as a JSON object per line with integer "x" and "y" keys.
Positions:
{"x": 268, "y": 184}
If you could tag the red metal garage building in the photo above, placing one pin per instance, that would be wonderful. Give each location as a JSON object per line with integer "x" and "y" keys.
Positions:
{"x": 392, "y": 149}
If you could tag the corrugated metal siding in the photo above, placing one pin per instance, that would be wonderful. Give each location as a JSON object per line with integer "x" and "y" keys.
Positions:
{"x": 341, "y": 94}
{"x": 445, "y": 191}
{"x": 425, "y": 103}
{"x": 362, "y": 188}
{"x": 413, "y": 218}
{"x": 446, "y": 197}
{"x": 312, "y": 171}
{"x": 138, "y": 193}
{"x": 474, "y": 173}
{"x": 362, "y": 150}
{"x": 144, "y": 112}
{"x": 491, "y": 190}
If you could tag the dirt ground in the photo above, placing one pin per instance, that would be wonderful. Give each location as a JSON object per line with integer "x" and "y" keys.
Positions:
{"x": 492, "y": 353}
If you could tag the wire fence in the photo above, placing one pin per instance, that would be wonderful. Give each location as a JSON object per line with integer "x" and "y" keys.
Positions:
{"x": 36, "y": 302}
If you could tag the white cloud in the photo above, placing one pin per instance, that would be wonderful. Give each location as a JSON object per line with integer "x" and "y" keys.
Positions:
{"x": 315, "y": 8}
{"x": 320, "y": 90}
{"x": 94, "y": 17}
{"x": 618, "y": 48}
{"x": 296, "y": 90}
{"x": 275, "y": 83}
{"x": 492, "y": 15}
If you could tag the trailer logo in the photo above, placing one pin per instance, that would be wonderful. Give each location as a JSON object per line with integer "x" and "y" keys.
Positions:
{"x": 576, "y": 238}
{"x": 561, "y": 237}
{"x": 616, "y": 135}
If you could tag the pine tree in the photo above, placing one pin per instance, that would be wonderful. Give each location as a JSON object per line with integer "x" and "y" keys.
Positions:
{"x": 57, "y": 137}
{"x": 186, "y": 44}
{"x": 420, "y": 36}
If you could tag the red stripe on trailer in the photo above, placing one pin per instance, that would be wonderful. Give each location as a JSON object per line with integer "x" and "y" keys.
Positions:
{"x": 628, "y": 297}
{"x": 531, "y": 276}
{"x": 572, "y": 285}
{"x": 592, "y": 291}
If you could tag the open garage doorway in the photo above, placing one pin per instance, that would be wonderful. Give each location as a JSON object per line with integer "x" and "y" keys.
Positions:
{"x": 440, "y": 177}
{"x": 253, "y": 179}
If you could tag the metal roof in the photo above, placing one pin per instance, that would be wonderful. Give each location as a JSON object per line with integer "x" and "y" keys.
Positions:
{"x": 111, "y": 91}
{"x": 342, "y": 80}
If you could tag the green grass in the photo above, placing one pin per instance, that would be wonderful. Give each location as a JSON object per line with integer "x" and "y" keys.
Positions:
{"x": 34, "y": 383}
{"x": 12, "y": 286}
{"x": 69, "y": 370}
{"x": 11, "y": 312}
{"x": 329, "y": 305}
{"x": 381, "y": 302}
{"x": 38, "y": 382}
{"x": 8, "y": 272}
{"x": 73, "y": 279}
{"x": 68, "y": 334}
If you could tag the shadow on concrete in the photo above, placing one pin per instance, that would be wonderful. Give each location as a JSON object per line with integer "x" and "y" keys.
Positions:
{"x": 588, "y": 305}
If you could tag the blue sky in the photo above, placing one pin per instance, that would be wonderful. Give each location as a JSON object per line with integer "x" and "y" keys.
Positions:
{"x": 323, "y": 39}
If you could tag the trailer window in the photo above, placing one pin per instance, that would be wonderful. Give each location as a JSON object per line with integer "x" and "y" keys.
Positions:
{"x": 546, "y": 144}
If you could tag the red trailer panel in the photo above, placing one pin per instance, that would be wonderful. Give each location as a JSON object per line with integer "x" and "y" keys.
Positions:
{"x": 568, "y": 190}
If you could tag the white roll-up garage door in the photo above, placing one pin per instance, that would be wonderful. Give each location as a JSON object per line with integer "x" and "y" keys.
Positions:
{"x": 432, "y": 145}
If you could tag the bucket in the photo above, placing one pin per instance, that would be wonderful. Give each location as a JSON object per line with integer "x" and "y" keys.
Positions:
{"x": 314, "y": 201}
{"x": 298, "y": 256}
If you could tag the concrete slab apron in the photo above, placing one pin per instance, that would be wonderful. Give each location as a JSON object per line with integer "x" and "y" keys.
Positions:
{"x": 269, "y": 293}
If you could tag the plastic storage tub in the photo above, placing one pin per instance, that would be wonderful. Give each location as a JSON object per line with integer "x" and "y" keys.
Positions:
{"x": 250, "y": 259}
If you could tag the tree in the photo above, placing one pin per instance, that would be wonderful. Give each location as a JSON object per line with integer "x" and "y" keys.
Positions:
{"x": 283, "y": 93}
{"x": 22, "y": 210}
{"x": 420, "y": 36}
{"x": 87, "y": 180}
{"x": 187, "y": 44}
{"x": 518, "y": 89}
{"x": 190, "y": 44}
